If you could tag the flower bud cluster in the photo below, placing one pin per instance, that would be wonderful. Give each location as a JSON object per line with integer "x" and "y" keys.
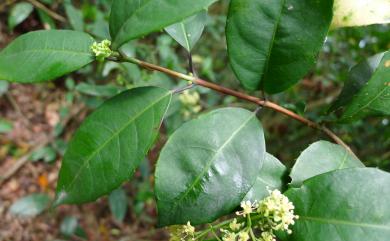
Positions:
{"x": 102, "y": 50}
{"x": 190, "y": 102}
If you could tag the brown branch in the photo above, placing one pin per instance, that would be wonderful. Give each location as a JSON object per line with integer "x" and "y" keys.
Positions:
{"x": 240, "y": 95}
{"x": 47, "y": 10}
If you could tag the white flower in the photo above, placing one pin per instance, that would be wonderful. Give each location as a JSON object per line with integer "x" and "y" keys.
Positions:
{"x": 247, "y": 208}
{"x": 228, "y": 236}
{"x": 234, "y": 226}
{"x": 243, "y": 236}
{"x": 188, "y": 229}
{"x": 277, "y": 212}
{"x": 267, "y": 236}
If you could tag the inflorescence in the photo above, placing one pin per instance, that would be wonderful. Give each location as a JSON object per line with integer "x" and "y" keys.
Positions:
{"x": 257, "y": 221}
{"x": 102, "y": 50}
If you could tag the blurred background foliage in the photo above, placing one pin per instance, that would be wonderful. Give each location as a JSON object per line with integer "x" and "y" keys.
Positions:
{"x": 286, "y": 138}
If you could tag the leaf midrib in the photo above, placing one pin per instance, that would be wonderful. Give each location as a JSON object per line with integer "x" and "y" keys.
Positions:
{"x": 272, "y": 43}
{"x": 86, "y": 162}
{"x": 344, "y": 222}
{"x": 210, "y": 162}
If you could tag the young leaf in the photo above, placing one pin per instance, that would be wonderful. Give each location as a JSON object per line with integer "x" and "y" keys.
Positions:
{"x": 131, "y": 19}
{"x": 110, "y": 144}
{"x": 45, "y": 55}
{"x": 30, "y": 206}
{"x": 274, "y": 43}
{"x": 348, "y": 205}
{"x": 19, "y": 13}
{"x": 270, "y": 178}
{"x": 374, "y": 97}
{"x": 348, "y": 13}
{"x": 188, "y": 31}
{"x": 319, "y": 158}
{"x": 118, "y": 204}
{"x": 207, "y": 166}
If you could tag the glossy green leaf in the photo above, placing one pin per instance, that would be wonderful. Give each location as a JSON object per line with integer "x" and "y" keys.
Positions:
{"x": 30, "y": 206}
{"x": 321, "y": 157}
{"x": 131, "y": 19}
{"x": 75, "y": 16}
{"x": 19, "y": 13}
{"x": 118, "y": 204}
{"x": 189, "y": 31}
{"x": 207, "y": 166}
{"x": 358, "y": 77}
{"x": 270, "y": 177}
{"x": 344, "y": 205}
{"x": 272, "y": 44}
{"x": 45, "y": 55}
{"x": 110, "y": 144}
{"x": 374, "y": 97}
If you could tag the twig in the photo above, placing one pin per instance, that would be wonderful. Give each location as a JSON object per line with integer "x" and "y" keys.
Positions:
{"x": 240, "y": 95}
{"x": 50, "y": 12}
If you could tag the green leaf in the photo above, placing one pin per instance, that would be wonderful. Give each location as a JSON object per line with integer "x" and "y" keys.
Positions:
{"x": 319, "y": 158}
{"x": 47, "y": 154}
{"x": 30, "y": 206}
{"x": 45, "y": 55}
{"x": 118, "y": 204}
{"x": 346, "y": 205}
{"x": 19, "y": 13}
{"x": 75, "y": 16}
{"x": 273, "y": 44}
{"x": 46, "y": 20}
{"x": 189, "y": 31}
{"x": 374, "y": 97}
{"x": 68, "y": 226}
{"x": 110, "y": 144}
{"x": 270, "y": 177}
{"x": 5, "y": 126}
{"x": 358, "y": 77}
{"x": 131, "y": 19}
{"x": 98, "y": 90}
{"x": 207, "y": 166}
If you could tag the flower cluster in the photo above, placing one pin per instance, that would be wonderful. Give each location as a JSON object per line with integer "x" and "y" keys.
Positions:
{"x": 274, "y": 213}
{"x": 264, "y": 218}
{"x": 102, "y": 50}
{"x": 190, "y": 102}
{"x": 182, "y": 233}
